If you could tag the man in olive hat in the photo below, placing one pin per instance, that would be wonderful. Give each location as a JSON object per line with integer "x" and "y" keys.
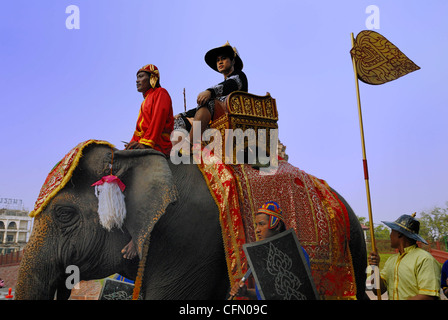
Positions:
{"x": 412, "y": 273}
{"x": 226, "y": 61}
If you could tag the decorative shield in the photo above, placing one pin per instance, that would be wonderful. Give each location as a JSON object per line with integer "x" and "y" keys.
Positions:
{"x": 280, "y": 268}
{"x": 117, "y": 290}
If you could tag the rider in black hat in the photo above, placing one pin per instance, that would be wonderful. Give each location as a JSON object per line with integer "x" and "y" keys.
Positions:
{"x": 226, "y": 61}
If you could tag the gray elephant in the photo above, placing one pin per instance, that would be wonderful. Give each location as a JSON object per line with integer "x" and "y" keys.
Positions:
{"x": 170, "y": 210}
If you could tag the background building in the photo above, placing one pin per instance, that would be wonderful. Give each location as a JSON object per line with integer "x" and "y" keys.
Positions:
{"x": 15, "y": 229}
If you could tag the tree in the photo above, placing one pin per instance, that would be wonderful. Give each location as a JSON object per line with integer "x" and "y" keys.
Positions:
{"x": 434, "y": 224}
{"x": 381, "y": 231}
{"x": 382, "y": 235}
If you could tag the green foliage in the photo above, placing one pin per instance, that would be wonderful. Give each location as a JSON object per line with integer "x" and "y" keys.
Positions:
{"x": 433, "y": 228}
{"x": 381, "y": 231}
{"x": 434, "y": 224}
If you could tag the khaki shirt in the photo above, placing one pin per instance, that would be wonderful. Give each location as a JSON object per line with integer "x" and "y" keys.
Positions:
{"x": 411, "y": 273}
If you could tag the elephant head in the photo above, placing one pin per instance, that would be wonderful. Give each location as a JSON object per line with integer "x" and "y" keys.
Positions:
{"x": 68, "y": 232}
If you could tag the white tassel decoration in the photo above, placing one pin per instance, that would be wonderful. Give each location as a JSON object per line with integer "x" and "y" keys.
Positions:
{"x": 111, "y": 204}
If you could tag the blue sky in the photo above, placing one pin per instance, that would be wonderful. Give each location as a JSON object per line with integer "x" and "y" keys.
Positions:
{"x": 61, "y": 86}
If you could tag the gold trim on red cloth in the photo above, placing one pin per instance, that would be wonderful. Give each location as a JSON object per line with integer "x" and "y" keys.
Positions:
{"x": 154, "y": 73}
{"x": 150, "y": 143}
{"x": 61, "y": 174}
{"x": 223, "y": 188}
{"x": 316, "y": 215}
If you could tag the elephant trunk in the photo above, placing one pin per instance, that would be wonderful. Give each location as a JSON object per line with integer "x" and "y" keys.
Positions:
{"x": 39, "y": 272}
{"x": 36, "y": 278}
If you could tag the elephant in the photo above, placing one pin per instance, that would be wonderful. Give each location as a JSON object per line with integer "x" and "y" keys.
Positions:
{"x": 186, "y": 257}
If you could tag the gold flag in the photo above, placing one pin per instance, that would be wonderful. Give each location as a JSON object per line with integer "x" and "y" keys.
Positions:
{"x": 379, "y": 61}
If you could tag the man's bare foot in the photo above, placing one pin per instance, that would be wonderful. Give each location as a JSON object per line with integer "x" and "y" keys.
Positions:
{"x": 129, "y": 251}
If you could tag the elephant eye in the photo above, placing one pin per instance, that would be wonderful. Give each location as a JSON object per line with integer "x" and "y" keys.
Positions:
{"x": 66, "y": 215}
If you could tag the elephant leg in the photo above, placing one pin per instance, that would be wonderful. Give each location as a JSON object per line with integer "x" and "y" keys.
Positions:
{"x": 186, "y": 258}
{"x": 359, "y": 257}
{"x": 186, "y": 264}
{"x": 358, "y": 251}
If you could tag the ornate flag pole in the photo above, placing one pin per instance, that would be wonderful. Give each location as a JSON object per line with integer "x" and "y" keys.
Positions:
{"x": 364, "y": 156}
{"x": 366, "y": 172}
{"x": 375, "y": 61}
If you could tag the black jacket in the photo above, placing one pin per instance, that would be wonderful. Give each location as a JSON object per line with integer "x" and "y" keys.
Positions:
{"x": 237, "y": 81}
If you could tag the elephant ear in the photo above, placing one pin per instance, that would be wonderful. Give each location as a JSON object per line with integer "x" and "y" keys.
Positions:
{"x": 149, "y": 190}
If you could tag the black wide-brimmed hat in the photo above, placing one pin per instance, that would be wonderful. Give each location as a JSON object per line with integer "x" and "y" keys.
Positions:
{"x": 225, "y": 50}
{"x": 407, "y": 225}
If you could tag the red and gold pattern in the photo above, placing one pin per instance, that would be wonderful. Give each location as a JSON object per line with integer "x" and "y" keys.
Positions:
{"x": 155, "y": 121}
{"x": 222, "y": 184}
{"x": 309, "y": 207}
{"x": 154, "y": 73}
{"x": 60, "y": 175}
{"x": 316, "y": 215}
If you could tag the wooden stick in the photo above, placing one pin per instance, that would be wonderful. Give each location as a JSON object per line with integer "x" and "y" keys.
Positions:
{"x": 185, "y": 102}
{"x": 366, "y": 173}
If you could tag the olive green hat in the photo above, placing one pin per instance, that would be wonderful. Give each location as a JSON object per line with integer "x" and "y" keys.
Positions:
{"x": 407, "y": 225}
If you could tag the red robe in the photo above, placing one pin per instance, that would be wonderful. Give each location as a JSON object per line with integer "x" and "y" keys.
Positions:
{"x": 155, "y": 120}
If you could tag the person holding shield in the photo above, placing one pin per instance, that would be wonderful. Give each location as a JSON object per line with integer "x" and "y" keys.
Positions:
{"x": 269, "y": 221}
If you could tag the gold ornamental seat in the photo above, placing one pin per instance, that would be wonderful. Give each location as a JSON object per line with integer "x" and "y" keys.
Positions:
{"x": 242, "y": 110}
